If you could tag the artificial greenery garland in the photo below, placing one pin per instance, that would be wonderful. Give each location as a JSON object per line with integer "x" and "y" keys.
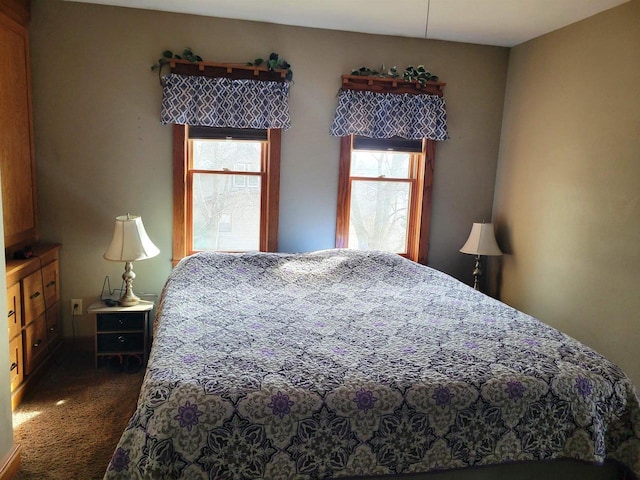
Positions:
{"x": 410, "y": 74}
{"x": 275, "y": 62}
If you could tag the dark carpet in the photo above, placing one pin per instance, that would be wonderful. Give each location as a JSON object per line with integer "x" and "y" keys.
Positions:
{"x": 69, "y": 424}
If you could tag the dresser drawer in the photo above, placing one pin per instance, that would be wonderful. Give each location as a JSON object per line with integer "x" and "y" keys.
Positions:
{"x": 14, "y": 310}
{"x": 33, "y": 314}
{"x": 33, "y": 297}
{"x": 117, "y": 322}
{"x": 50, "y": 278}
{"x": 120, "y": 342}
{"x": 15, "y": 362}
{"x": 35, "y": 344}
{"x": 53, "y": 324}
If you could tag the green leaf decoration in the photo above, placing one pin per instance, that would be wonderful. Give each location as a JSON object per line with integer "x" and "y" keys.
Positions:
{"x": 275, "y": 62}
{"x": 410, "y": 74}
{"x": 167, "y": 55}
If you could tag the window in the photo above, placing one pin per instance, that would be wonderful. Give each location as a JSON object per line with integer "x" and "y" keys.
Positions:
{"x": 384, "y": 195}
{"x": 226, "y": 185}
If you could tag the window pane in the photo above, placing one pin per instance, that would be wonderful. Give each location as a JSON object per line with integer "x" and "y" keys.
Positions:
{"x": 378, "y": 215}
{"x": 226, "y": 212}
{"x": 226, "y": 154}
{"x": 376, "y": 164}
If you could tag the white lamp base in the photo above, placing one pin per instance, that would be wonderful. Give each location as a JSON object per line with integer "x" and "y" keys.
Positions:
{"x": 129, "y": 299}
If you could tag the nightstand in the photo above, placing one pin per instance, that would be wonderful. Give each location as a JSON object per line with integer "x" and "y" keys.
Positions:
{"x": 122, "y": 331}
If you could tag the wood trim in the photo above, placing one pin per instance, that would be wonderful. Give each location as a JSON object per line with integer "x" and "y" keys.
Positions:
{"x": 391, "y": 85}
{"x": 344, "y": 192}
{"x": 417, "y": 166}
{"x": 272, "y": 167}
{"x": 179, "y": 192}
{"x": 227, "y": 70}
{"x": 11, "y": 465}
{"x": 18, "y": 10}
{"x": 429, "y": 151}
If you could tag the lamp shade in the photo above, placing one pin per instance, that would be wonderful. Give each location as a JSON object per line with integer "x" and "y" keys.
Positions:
{"x": 481, "y": 241}
{"x": 130, "y": 241}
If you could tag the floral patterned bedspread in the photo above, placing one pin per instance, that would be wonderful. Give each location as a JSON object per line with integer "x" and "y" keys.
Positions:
{"x": 348, "y": 363}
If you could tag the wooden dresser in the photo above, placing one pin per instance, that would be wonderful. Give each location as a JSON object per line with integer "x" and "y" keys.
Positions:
{"x": 33, "y": 304}
{"x": 33, "y": 287}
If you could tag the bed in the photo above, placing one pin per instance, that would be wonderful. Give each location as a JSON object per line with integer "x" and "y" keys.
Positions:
{"x": 346, "y": 363}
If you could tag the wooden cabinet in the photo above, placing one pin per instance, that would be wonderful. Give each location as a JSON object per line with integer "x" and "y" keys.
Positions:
{"x": 33, "y": 314}
{"x": 17, "y": 161}
{"x": 32, "y": 283}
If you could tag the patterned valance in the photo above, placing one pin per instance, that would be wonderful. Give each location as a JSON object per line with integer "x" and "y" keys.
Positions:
{"x": 385, "y": 115}
{"x": 225, "y": 102}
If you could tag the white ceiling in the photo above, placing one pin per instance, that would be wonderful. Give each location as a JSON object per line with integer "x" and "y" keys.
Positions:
{"x": 490, "y": 22}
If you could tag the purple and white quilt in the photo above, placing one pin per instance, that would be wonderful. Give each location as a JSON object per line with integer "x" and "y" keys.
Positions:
{"x": 349, "y": 363}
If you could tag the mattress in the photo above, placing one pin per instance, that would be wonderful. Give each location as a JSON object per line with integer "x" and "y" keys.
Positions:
{"x": 350, "y": 363}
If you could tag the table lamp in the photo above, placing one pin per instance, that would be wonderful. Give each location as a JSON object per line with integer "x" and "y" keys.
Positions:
{"x": 481, "y": 241}
{"x": 130, "y": 243}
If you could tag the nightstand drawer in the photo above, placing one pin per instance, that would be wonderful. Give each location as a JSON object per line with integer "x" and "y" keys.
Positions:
{"x": 120, "y": 342}
{"x": 121, "y": 331}
{"x": 116, "y": 322}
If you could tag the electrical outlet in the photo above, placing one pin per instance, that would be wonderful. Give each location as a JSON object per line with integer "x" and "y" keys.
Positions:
{"x": 76, "y": 310}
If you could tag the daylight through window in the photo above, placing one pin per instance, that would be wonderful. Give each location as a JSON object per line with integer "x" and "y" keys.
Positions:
{"x": 230, "y": 189}
{"x": 382, "y": 195}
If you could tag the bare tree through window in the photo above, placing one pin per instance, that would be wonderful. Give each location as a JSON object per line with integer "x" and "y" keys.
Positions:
{"x": 226, "y": 194}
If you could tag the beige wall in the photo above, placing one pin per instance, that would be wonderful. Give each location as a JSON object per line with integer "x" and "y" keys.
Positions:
{"x": 101, "y": 151}
{"x": 567, "y": 200}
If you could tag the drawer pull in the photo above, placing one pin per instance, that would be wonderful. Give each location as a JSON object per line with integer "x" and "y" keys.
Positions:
{"x": 11, "y": 313}
{"x": 121, "y": 339}
{"x": 121, "y": 321}
{"x": 52, "y": 329}
{"x": 14, "y": 365}
{"x": 51, "y": 283}
{"x": 35, "y": 295}
{"x": 38, "y": 343}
